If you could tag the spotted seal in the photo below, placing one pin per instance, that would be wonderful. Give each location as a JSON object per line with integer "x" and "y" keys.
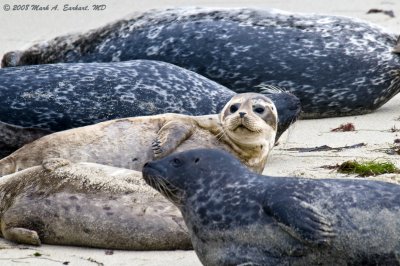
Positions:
{"x": 64, "y": 96}
{"x": 245, "y": 127}
{"x": 86, "y": 204}
{"x": 336, "y": 65}
{"x": 237, "y": 217}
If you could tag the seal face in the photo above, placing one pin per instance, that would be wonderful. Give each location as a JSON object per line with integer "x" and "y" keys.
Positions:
{"x": 63, "y": 96}
{"x": 336, "y": 65}
{"x": 238, "y": 123}
{"x": 87, "y": 204}
{"x": 248, "y": 132}
{"x": 237, "y": 217}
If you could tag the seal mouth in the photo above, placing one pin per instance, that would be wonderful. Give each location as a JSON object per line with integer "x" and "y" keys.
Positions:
{"x": 153, "y": 176}
{"x": 242, "y": 127}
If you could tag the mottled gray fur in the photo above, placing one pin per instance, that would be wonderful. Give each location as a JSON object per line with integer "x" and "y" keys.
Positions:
{"x": 236, "y": 217}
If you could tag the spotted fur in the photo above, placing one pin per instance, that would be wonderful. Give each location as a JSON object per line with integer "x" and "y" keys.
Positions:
{"x": 63, "y": 96}
{"x": 336, "y": 65}
{"x": 236, "y": 217}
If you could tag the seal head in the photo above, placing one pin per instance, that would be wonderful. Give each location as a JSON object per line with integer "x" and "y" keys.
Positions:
{"x": 247, "y": 117}
{"x": 177, "y": 176}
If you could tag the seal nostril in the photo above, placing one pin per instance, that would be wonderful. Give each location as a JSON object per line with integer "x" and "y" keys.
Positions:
{"x": 242, "y": 114}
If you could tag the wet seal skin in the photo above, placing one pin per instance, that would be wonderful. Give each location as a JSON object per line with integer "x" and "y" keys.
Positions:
{"x": 238, "y": 217}
{"x": 246, "y": 127}
{"x": 90, "y": 205}
{"x": 64, "y": 96}
{"x": 337, "y": 66}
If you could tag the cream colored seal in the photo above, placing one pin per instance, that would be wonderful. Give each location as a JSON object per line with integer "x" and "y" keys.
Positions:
{"x": 87, "y": 204}
{"x": 246, "y": 127}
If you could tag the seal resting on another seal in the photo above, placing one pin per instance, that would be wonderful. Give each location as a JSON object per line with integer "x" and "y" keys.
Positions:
{"x": 336, "y": 65}
{"x": 64, "y": 96}
{"x": 237, "y": 217}
{"x": 87, "y": 204}
{"x": 245, "y": 127}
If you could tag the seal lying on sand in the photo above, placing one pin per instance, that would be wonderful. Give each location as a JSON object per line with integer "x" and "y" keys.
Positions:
{"x": 336, "y": 65}
{"x": 236, "y": 217}
{"x": 64, "y": 96}
{"x": 87, "y": 204}
{"x": 245, "y": 127}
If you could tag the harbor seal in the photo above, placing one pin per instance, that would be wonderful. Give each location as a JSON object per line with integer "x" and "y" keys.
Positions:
{"x": 237, "y": 217}
{"x": 337, "y": 66}
{"x": 64, "y": 96}
{"x": 245, "y": 127}
{"x": 86, "y": 204}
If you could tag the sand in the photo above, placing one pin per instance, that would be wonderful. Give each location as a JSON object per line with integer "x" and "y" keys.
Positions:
{"x": 19, "y": 29}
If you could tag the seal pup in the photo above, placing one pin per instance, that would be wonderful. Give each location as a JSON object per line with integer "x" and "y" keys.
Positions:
{"x": 245, "y": 127}
{"x": 336, "y": 65}
{"x": 238, "y": 217}
{"x": 86, "y": 204}
{"x": 64, "y": 96}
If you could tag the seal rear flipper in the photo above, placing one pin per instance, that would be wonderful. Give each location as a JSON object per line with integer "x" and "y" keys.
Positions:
{"x": 170, "y": 136}
{"x": 21, "y": 236}
{"x": 11, "y": 59}
{"x": 301, "y": 220}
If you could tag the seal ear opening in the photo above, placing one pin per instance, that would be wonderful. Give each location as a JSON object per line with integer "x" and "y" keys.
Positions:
{"x": 396, "y": 48}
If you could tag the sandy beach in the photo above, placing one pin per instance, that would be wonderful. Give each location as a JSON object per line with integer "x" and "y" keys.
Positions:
{"x": 377, "y": 131}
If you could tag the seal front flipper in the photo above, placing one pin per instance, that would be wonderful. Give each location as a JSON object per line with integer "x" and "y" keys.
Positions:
{"x": 301, "y": 220}
{"x": 21, "y": 236}
{"x": 170, "y": 136}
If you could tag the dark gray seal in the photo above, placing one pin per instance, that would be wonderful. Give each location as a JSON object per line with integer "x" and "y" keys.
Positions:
{"x": 236, "y": 217}
{"x": 336, "y": 65}
{"x": 64, "y": 96}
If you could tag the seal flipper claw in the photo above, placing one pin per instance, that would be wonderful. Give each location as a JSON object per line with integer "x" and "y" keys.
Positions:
{"x": 170, "y": 136}
{"x": 309, "y": 224}
{"x": 22, "y": 236}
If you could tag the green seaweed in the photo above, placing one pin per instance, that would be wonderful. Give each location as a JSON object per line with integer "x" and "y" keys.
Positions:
{"x": 367, "y": 168}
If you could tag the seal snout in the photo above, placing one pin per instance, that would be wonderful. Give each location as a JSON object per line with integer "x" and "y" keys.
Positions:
{"x": 242, "y": 114}
{"x": 150, "y": 169}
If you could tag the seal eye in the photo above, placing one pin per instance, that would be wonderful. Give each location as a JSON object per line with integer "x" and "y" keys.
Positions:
{"x": 176, "y": 162}
{"x": 233, "y": 108}
{"x": 259, "y": 110}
